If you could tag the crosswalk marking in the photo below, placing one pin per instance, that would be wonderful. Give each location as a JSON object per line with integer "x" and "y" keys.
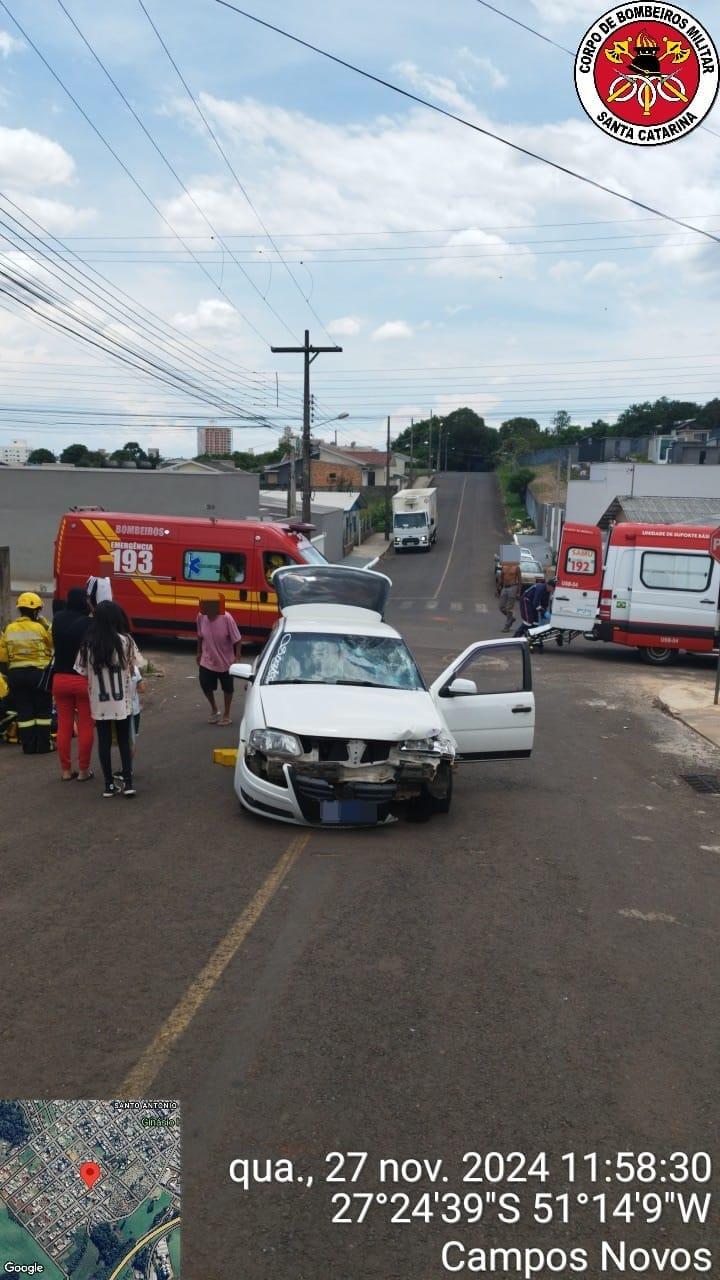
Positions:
{"x": 456, "y": 607}
{"x": 481, "y": 608}
{"x": 431, "y": 604}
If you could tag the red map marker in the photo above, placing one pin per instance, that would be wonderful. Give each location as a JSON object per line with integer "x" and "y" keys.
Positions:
{"x": 90, "y": 1172}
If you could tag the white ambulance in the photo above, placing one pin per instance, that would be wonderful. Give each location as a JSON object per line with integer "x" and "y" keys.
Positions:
{"x": 654, "y": 587}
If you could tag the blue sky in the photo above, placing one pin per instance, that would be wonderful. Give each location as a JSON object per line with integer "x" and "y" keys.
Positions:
{"x": 451, "y": 270}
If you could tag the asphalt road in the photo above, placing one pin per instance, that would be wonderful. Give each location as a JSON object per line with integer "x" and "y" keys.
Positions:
{"x": 537, "y": 971}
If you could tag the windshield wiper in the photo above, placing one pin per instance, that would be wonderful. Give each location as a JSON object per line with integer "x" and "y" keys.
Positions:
{"x": 365, "y": 684}
{"x": 296, "y": 680}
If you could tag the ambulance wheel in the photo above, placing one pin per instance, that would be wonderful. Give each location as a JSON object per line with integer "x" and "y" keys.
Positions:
{"x": 658, "y": 657}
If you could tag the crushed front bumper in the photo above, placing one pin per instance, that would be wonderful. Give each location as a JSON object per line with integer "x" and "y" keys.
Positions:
{"x": 331, "y": 792}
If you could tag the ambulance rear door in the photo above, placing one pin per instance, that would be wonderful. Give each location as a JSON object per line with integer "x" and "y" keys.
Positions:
{"x": 579, "y": 578}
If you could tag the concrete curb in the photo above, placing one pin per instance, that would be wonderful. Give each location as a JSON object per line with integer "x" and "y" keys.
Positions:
{"x": 705, "y": 723}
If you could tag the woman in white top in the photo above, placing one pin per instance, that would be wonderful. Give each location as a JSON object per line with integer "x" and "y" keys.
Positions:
{"x": 109, "y": 658}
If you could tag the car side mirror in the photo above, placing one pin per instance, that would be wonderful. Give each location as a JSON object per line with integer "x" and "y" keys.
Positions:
{"x": 241, "y": 671}
{"x": 460, "y": 688}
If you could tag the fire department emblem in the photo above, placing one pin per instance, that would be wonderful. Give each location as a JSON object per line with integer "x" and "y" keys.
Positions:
{"x": 647, "y": 74}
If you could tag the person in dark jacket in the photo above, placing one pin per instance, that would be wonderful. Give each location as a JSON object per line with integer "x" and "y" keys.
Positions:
{"x": 70, "y": 690}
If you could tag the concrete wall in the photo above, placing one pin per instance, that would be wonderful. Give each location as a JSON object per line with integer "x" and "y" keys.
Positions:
{"x": 33, "y": 499}
{"x": 329, "y": 521}
{"x": 548, "y": 518}
{"x": 588, "y": 499}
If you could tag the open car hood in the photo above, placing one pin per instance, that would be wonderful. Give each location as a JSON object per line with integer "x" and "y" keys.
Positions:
{"x": 331, "y": 587}
{"x": 344, "y": 711}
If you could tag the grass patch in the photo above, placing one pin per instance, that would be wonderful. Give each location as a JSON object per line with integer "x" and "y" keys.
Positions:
{"x": 514, "y": 506}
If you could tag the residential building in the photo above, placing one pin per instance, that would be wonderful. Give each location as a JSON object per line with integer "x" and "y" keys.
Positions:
{"x": 214, "y": 440}
{"x": 344, "y": 469}
{"x": 16, "y": 453}
{"x": 193, "y": 466}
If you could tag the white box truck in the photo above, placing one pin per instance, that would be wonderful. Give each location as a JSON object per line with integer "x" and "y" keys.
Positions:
{"x": 414, "y": 519}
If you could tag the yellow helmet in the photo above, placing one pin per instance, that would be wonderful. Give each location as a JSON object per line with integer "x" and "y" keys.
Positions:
{"x": 29, "y": 600}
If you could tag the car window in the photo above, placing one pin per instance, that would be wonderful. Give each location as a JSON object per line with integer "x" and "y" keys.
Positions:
{"x": 496, "y": 670}
{"x": 214, "y": 566}
{"x": 310, "y": 554}
{"x": 382, "y": 662}
{"x": 273, "y": 560}
{"x": 675, "y": 571}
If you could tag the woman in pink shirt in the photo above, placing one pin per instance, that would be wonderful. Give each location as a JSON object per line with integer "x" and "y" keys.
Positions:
{"x": 219, "y": 645}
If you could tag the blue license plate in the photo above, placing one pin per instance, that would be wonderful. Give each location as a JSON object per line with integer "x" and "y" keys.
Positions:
{"x": 348, "y": 812}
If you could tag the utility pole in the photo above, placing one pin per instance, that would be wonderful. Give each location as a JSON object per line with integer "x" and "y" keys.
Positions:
{"x": 291, "y": 486}
{"x": 387, "y": 483}
{"x": 412, "y": 427}
{"x": 447, "y": 435}
{"x": 309, "y": 354}
{"x": 430, "y": 445}
{"x": 439, "y": 457}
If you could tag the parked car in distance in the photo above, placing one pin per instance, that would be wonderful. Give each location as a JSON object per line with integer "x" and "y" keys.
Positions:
{"x": 339, "y": 726}
{"x": 531, "y": 571}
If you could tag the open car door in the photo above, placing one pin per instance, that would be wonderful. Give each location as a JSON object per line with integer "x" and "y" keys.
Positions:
{"x": 486, "y": 700}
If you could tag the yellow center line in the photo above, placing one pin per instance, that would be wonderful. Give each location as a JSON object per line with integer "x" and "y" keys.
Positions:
{"x": 164, "y": 1229}
{"x": 146, "y": 1070}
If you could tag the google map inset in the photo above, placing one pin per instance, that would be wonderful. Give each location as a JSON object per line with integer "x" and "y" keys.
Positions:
{"x": 90, "y": 1190}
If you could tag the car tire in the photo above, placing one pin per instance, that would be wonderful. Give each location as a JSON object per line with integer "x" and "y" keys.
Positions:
{"x": 426, "y": 805}
{"x": 656, "y": 657}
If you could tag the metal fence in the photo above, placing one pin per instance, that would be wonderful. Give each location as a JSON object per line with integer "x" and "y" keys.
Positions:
{"x": 548, "y": 518}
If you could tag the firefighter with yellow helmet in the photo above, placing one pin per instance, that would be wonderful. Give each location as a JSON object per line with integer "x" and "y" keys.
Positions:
{"x": 26, "y": 650}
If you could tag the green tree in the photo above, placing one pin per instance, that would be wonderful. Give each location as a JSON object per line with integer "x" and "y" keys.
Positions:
{"x": 37, "y": 456}
{"x": 76, "y": 454}
{"x": 561, "y": 421}
{"x": 130, "y": 452}
{"x": 14, "y": 1127}
{"x": 520, "y": 480}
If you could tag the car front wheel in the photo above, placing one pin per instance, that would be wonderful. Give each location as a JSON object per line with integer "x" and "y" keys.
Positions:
{"x": 434, "y": 798}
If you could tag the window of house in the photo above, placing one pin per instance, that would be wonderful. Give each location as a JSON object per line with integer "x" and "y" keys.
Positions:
{"x": 214, "y": 566}
{"x": 675, "y": 571}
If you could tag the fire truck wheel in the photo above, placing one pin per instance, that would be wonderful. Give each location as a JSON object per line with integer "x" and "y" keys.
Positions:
{"x": 658, "y": 657}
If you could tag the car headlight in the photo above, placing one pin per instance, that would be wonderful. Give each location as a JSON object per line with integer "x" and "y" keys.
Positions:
{"x": 267, "y": 740}
{"x": 438, "y": 746}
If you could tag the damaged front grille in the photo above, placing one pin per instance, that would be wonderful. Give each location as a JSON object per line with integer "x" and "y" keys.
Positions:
{"x": 348, "y": 750}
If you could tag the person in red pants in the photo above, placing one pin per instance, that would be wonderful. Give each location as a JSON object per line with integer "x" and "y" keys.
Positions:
{"x": 70, "y": 690}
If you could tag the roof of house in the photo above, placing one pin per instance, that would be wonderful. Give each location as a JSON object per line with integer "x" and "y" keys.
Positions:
{"x": 366, "y": 457}
{"x": 325, "y": 498}
{"x": 644, "y": 510}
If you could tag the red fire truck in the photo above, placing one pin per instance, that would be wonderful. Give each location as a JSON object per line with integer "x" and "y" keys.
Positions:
{"x": 655, "y": 587}
{"x": 161, "y": 567}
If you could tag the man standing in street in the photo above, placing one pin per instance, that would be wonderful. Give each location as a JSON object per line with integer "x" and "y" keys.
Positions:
{"x": 510, "y": 584}
{"x": 219, "y": 645}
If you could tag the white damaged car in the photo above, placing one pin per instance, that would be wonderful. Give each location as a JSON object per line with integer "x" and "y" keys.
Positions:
{"x": 339, "y": 726}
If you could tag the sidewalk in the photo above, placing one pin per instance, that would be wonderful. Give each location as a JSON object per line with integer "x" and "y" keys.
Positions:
{"x": 693, "y": 704}
{"x": 373, "y": 546}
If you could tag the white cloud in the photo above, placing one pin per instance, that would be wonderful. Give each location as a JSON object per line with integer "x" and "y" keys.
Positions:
{"x": 568, "y": 11}
{"x": 8, "y": 44}
{"x": 439, "y": 88}
{"x": 496, "y": 78}
{"x": 55, "y": 215}
{"x": 345, "y": 326}
{"x": 602, "y": 271}
{"x": 210, "y": 313}
{"x": 29, "y": 159}
{"x": 391, "y": 330}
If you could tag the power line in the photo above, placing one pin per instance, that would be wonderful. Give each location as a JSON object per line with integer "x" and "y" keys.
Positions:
{"x": 135, "y": 181}
{"x": 533, "y": 31}
{"x": 129, "y": 316}
{"x": 450, "y": 115}
{"x": 525, "y": 27}
{"x": 170, "y": 168}
{"x": 229, "y": 165}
